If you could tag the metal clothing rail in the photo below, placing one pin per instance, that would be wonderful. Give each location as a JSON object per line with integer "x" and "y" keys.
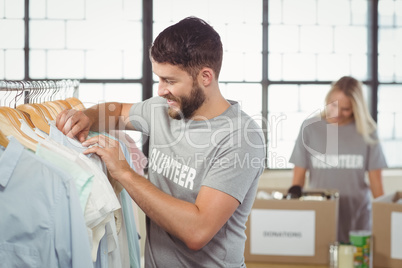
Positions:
{"x": 36, "y": 91}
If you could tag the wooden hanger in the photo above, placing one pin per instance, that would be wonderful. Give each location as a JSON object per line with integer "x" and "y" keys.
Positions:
{"x": 44, "y": 110}
{"x": 10, "y": 126}
{"x": 3, "y": 139}
{"x": 18, "y": 115}
{"x": 56, "y": 106}
{"x": 53, "y": 113}
{"x": 46, "y": 114}
{"x": 64, "y": 104}
{"x": 25, "y": 117}
{"x": 13, "y": 116}
{"x": 37, "y": 116}
{"x": 76, "y": 103}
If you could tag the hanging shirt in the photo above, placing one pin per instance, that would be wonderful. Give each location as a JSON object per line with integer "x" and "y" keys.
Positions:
{"x": 102, "y": 257}
{"x": 129, "y": 230}
{"x": 29, "y": 131}
{"x": 103, "y": 208}
{"x": 138, "y": 163}
{"x": 82, "y": 178}
{"x": 138, "y": 159}
{"x": 42, "y": 223}
{"x": 129, "y": 221}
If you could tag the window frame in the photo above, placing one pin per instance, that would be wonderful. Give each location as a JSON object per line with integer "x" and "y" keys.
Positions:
{"x": 147, "y": 82}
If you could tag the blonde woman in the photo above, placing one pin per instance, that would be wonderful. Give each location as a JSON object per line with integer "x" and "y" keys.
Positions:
{"x": 337, "y": 148}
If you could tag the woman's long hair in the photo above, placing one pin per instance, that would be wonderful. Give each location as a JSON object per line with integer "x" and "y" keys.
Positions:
{"x": 352, "y": 88}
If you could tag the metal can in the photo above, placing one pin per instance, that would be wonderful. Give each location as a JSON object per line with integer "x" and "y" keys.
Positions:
{"x": 361, "y": 241}
{"x": 333, "y": 255}
{"x": 345, "y": 256}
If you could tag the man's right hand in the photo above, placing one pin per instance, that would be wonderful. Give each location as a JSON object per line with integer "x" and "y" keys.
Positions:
{"x": 74, "y": 123}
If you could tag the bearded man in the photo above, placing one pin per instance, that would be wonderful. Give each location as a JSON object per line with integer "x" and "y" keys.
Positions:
{"x": 205, "y": 154}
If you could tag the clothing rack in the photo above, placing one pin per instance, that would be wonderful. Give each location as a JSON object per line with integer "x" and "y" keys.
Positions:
{"x": 36, "y": 91}
{"x": 64, "y": 181}
{"x": 38, "y": 101}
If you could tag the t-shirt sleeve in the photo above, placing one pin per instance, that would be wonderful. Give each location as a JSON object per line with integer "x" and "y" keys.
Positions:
{"x": 299, "y": 154}
{"x": 376, "y": 158}
{"x": 236, "y": 167}
{"x": 141, "y": 113}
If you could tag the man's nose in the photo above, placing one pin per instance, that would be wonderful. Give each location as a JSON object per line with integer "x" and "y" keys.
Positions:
{"x": 162, "y": 90}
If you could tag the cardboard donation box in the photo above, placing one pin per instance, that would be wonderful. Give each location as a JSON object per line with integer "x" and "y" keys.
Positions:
{"x": 297, "y": 231}
{"x": 387, "y": 230}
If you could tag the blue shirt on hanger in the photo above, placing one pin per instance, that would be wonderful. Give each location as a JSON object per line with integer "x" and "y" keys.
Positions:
{"x": 42, "y": 223}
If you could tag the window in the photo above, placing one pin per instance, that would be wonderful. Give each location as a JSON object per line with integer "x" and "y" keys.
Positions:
{"x": 309, "y": 45}
{"x": 390, "y": 79}
{"x": 280, "y": 56}
{"x": 12, "y": 39}
{"x": 241, "y": 34}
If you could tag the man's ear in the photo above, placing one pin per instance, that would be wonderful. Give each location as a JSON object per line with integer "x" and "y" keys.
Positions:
{"x": 207, "y": 75}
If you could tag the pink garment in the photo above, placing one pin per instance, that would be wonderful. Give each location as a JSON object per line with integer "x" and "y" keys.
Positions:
{"x": 138, "y": 158}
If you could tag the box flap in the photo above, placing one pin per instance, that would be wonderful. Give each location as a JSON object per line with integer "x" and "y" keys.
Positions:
{"x": 388, "y": 198}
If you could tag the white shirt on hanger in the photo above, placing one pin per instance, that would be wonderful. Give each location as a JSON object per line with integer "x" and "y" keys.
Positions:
{"x": 103, "y": 205}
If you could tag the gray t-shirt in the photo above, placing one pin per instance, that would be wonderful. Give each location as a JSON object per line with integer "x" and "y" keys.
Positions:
{"x": 337, "y": 157}
{"x": 226, "y": 153}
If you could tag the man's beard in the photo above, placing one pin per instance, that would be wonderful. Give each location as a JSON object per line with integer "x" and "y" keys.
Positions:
{"x": 188, "y": 105}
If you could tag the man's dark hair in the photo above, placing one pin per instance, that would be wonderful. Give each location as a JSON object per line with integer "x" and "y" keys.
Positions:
{"x": 191, "y": 44}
